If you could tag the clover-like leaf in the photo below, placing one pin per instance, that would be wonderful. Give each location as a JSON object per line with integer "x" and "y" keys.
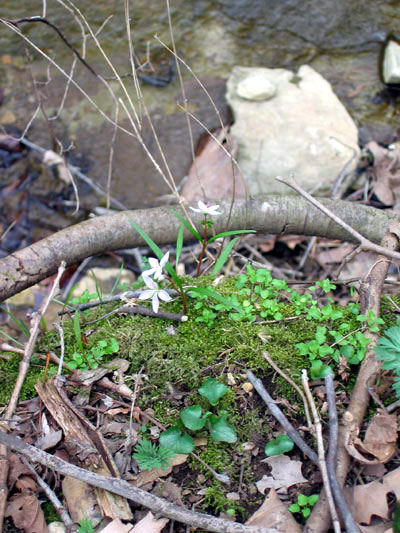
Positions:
{"x": 213, "y": 390}
{"x": 193, "y": 419}
{"x": 280, "y": 445}
{"x": 176, "y": 441}
{"x": 221, "y": 430}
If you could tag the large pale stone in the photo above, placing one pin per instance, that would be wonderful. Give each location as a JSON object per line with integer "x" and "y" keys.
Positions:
{"x": 304, "y": 129}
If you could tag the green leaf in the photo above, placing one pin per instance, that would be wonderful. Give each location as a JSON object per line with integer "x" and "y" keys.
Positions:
{"x": 188, "y": 226}
{"x": 210, "y": 293}
{"x": 213, "y": 390}
{"x": 224, "y": 256}
{"x": 176, "y": 441}
{"x": 282, "y": 444}
{"x": 150, "y": 456}
{"x": 179, "y": 244}
{"x": 231, "y": 232}
{"x": 302, "y": 500}
{"x": 157, "y": 251}
{"x": 221, "y": 430}
{"x": 306, "y": 512}
{"x": 19, "y": 323}
{"x": 294, "y": 508}
{"x": 312, "y": 499}
{"x": 193, "y": 419}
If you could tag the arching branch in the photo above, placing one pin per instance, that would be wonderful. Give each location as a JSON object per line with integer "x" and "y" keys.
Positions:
{"x": 266, "y": 214}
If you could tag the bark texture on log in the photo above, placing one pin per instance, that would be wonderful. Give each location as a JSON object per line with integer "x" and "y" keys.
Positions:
{"x": 265, "y": 214}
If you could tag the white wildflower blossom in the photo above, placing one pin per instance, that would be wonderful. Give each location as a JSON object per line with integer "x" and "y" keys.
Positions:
{"x": 156, "y": 267}
{"x": 154, "y": 292}
{"x": 206, "y": 209}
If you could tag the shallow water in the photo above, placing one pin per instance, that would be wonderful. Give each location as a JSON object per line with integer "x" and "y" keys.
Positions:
{"x": 339, "y": 39}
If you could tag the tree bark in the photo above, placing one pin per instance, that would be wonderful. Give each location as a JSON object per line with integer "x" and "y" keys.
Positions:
{"x": 265, "y": 214}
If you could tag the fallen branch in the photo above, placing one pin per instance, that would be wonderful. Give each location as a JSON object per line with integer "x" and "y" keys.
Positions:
{"x": 266, "y": 214}
{"x": 125, "y": 489}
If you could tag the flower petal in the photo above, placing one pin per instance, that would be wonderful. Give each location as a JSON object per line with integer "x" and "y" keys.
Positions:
{"x": 149, "y": 282}
{"x": 153, "y": 262}
{"x": 164, "y": 295}
{"x": 146, "y": 294}
{"x": 155, "y": 303}
{"x": 164, "y": 259}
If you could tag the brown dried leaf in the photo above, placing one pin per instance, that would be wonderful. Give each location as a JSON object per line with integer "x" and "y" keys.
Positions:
{"x": 26, "y": 513}
{"x": 148, "y": 476}
{"x": 386, "y": 172}
{"x": 81, "y": 500}
{"x": 285, "y": 473}
{"x": 211, "y": 173}
{"x": 150, "y": 524}
{"x": 274, "y": 514}
{"x": 379, "y": 444}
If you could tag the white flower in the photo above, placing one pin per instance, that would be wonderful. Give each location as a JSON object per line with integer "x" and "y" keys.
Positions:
{"x": 156, "y": 267}
{"x": 154, "y": 292}
{"x": 206, "y": 209}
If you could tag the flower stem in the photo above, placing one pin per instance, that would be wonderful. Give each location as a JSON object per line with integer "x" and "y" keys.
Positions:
{"x": 203, "y": 248}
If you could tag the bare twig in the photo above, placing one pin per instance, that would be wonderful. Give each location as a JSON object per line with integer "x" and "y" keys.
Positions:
{"x": 365, "y": 244}
{"x": 30, "y": 345}
{"x": 349, "y": 522}
{"x": 281, "y": 418}
{"x": 59, "y": 507}
{"x": 321, "y": 452}
{"x": 268, "y": 358}
{"x": 125, "y": 489}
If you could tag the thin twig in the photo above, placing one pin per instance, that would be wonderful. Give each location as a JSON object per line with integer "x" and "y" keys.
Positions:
{"x": 125, "y": 489}
{"x": 59, "y": 507}
{"x": 281, "y": 418}
{"x": 290, "y": 381}
{"x": 365, "y": 243}
{"x": 30, "y": 345}
{"x": 349, "y": 522}
{"x": 321, "y": 453}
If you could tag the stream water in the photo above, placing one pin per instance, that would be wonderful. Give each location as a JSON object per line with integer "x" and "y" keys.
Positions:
{"x": 339, "y": 39}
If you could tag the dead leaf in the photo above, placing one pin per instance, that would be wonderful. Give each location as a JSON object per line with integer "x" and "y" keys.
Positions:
{"x": 379, "y": 444}
{"x": 211, "y": 173}
{"x": 360, "y": 497}
{"x": 81, "y": 500}
{"x": 386, "y": 173}
{"x": 148, "y": 476}
{"x": 150, "y": 524}
{"x": 116, "y": 526}
{"x": 26, "y": 513}
{"x": 169, "y": 491}
{"x": 274, "y": 514}
{"x": 285, "y": 473}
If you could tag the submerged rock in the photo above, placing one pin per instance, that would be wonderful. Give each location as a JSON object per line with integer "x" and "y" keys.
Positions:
{"x": 302, "y": 129}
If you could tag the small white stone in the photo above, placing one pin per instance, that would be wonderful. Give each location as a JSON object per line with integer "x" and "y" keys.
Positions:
{"x": 256, "y": 87}
{"x": 391, "y": 63}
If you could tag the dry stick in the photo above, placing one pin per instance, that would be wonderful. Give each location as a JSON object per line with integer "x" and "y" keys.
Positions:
{"x": 271, "y": 362}
{"x": 365, "y": 244}
{"x": 321, "y": 452}
{"x": 23, "y": 369}
{"x": 125, "y": 489}
{"x": 349, "y": 522}
{"x": 59, "y": 507}
{"x": 281, "y": 418}
{"x": 30, "y": 345}
{"x": 370, "y": 291}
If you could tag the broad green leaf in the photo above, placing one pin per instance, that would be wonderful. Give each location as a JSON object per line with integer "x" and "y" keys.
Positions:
{"x": 157, "y": 251}
{"x": 179, "y": 244}
{"x": 174, "y": 440}
{"x": 231, "y": 232}
{"x": 224, "y": 256}
{"x": 213, "y": 390}
{"x": 193, "y": 419}
{"x": 280, "y": 445}
{"x": 188, "y": 226}
{"x": 221, "y": 430}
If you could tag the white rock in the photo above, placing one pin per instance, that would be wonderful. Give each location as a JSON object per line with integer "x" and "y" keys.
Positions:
{"x": 57, "y": 527}
{"x": 391, "y": 63}
{"x": 256, "y": 86}
{"x": 304, "y": 129}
